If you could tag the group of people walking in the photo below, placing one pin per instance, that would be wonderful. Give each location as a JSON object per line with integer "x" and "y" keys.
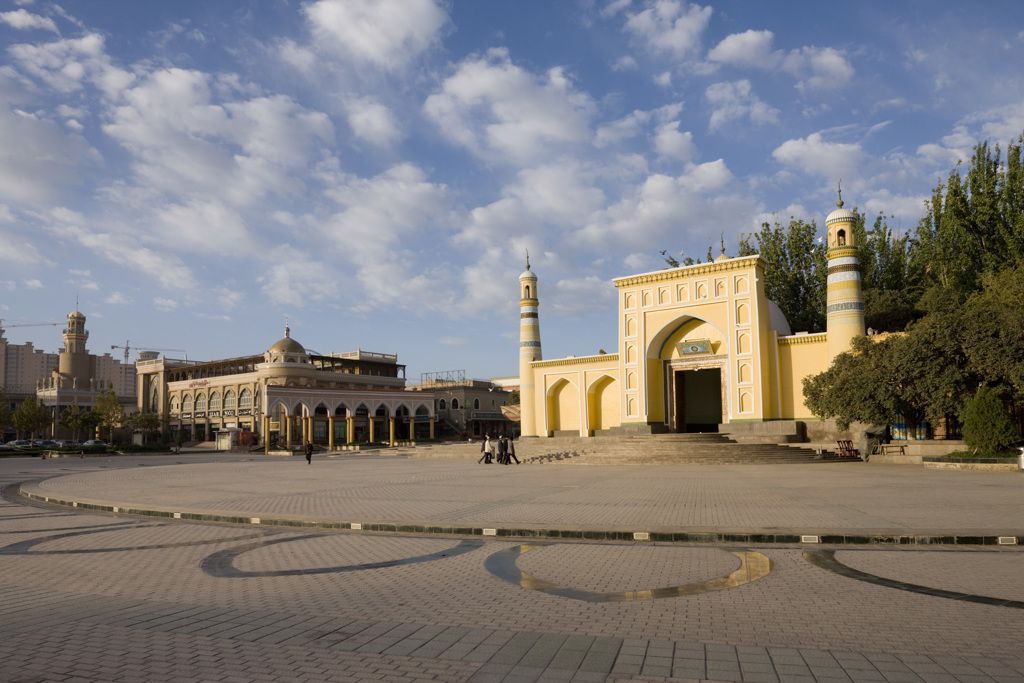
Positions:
{"x": 500, "y": 449}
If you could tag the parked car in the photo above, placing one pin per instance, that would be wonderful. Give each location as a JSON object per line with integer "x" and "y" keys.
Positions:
{"x": 46, "y": 443}
{"x": 5, "y": 447}
{"x": 68, "y": 443}
{"x": 20, "y": 444}
{"x": 95, "y": 442}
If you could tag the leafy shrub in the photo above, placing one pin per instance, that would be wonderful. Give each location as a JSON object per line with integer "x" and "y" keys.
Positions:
{"x": 987, "y": 430}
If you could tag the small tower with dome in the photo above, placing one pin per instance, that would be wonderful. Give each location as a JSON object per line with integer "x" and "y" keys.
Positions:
{"x": 845, "y": 302}
{"x": 529, "y": 347}
{"x": 75, "y": 367}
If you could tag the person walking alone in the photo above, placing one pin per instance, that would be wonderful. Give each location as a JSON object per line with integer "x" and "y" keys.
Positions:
{"x": 485, "y": 448}
{"x": 309, "y": 452}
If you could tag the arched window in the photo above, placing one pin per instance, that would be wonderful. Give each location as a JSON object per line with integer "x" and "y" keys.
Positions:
{"x": 154, "y": 394}
{"x": 200, "y": 402}
{"x": 442, "y": 405}
{"x": 174, "y": 404}
{"x": 455, "y": 404}
{"x": 476, "y": 404}
{"x": 245, "y": 399}
{"x": 229, "y": 400}
{"x": 215, "y": 401}
{"x": 186, "y": 404}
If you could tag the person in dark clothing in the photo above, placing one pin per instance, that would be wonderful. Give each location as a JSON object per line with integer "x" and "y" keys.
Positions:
{"x": 309, "y": 453}
{"x": 503, "y": 450}
{"x": 511, "y": 451}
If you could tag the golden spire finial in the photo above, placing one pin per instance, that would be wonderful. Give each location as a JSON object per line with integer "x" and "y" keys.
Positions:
{"x": 840, "y": 202}
{"x": 527, "y": 259}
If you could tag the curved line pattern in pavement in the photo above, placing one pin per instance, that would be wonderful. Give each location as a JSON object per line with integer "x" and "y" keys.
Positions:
{"x": 826, "y": 559}
{"x": 221, "y": 564}
{"x": 25, "y": 547}
{"x": 753, "y": 566}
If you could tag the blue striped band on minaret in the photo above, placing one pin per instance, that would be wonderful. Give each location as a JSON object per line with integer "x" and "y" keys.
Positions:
{"x": 844, "y": 312}
{"x": 529, "y": 349}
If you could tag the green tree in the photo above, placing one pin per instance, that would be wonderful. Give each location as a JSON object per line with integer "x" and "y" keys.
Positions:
{"x": 77, "y": 420}
{"x": 513, "y": 398}
{"x": 987, "y": 428}
{"x": 919, "y": 375}
{"x": 109, "y": 410}
{"x": 5, "y": 411}
{"x": 974, "y": 222}
{"x": 147, "y": 423}
{"x": 796, "y": 276}
{"x": 31, "y": 417}
{"x": 991, "y": 328}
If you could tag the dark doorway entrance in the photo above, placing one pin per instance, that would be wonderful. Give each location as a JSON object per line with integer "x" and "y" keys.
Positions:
{"x": 698, "y": 400}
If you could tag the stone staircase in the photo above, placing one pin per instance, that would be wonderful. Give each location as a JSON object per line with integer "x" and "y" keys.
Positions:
{"x": 668, "y": 449}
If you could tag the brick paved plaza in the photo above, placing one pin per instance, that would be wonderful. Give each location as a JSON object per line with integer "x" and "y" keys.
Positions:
{"x": 92, "y": 595}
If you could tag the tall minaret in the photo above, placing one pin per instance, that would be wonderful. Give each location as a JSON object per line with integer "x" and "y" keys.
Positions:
{"x": 73, "y": 366}
{"x": 845, "y": 311}
{"x": 529, "y": 349}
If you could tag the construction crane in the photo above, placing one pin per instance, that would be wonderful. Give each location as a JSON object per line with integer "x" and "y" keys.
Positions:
{"x": 128, "y": 347}
{"x": 26, "y": 325}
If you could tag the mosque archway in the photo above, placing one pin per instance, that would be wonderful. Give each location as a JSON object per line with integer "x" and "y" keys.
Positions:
{"x": 603, "y": 404}
{"x": 563, "y": 407}
{"x": 692, "y": 386}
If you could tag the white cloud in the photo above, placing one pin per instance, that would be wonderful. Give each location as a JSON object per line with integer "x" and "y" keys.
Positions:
{"x": 1000, "y": 125}
{"x": 23, "y": 20}
{"x": 579, "y": 297}
{"x": 120, "y": 249}
{"x": 735, "y": 101}
{"x": 386, "y": 33}
{"x": 626, "y": 63}
{"x": 670, "y": 142}
{"x": 818, "y": 68}
{"x": 165, "y": 304}
{"x": 751, "y": 48}
{"x": 501, "y": 112}
{"x": 228, "y": 298}
{"x": 67, "y": 65}
{"x": 627, "y": 127}
{"x": 670, "y": 26}
{"x": 118, "y": 299}
{"x": 542, "y": 201}
{"x": 814, "y": 154}
{"x": 33, "y": 284}
{"x": 453, "y": 341}
{"x": 37, "y": 158}
{"x": 373, "y": 122}
{"x": 614, "y": 7}
{"x": 696, "y": 202}
{"x": 185, "y": 142}
{"x": 200, "y": 225}
{"x": 296, "y": 279}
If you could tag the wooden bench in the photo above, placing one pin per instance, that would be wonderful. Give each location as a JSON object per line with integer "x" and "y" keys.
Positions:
{"x": 846, "y": 449}
{"x": 889, "y": 449}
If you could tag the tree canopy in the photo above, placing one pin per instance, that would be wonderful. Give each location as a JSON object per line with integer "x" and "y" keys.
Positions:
{"x": 31, "y": 417}
{"x": 109, "y": 410}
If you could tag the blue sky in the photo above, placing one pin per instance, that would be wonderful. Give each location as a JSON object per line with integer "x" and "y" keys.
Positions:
{"x": 375, "y": 170}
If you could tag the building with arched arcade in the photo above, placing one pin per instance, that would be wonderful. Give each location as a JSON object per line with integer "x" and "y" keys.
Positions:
{"x": 288, "y": 395}
{"x": 700, "y": 348}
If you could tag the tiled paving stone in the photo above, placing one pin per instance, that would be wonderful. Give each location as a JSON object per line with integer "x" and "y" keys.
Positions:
{"x": 129, "y": 601}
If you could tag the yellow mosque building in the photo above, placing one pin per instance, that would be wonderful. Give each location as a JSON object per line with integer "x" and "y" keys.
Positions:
{"x": 700, "y": 349}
